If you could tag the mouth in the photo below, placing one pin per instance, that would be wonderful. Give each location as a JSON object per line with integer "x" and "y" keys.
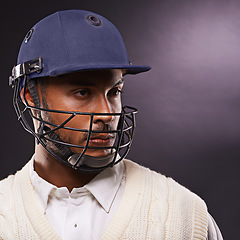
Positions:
{"x": 102, "y": 140}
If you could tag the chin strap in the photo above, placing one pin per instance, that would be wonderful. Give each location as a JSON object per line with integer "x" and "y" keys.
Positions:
{"x": 90, "y": 161}
{"x": 64, "y": 150}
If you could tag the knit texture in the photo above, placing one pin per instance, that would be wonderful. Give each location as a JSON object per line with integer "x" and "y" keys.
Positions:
{"x": 156, "y": 207}
{"x": 152, "y": 207}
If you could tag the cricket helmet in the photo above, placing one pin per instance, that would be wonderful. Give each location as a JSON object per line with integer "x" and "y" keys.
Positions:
{"x": 62, "y": 43}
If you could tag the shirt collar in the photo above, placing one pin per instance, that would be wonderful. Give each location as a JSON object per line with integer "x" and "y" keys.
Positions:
{"x": 103, "y": 187}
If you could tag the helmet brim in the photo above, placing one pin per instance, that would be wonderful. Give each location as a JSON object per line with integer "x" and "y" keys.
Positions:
{"x": 130, "y": 69}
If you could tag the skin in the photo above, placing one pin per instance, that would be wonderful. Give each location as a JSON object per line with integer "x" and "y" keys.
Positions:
{"x": 88, "y": 91}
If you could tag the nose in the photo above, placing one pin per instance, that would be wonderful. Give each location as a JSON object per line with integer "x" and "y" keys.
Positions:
{"x": 104, "y": 107}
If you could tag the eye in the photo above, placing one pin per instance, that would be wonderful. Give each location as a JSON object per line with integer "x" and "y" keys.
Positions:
{"x": 115, "y": 91}
{"x": 82, "y": 92}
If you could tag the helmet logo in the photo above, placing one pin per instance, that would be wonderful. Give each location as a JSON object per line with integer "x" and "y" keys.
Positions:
{"x": 28, "y": 36}
{"x": 94, "y": 20}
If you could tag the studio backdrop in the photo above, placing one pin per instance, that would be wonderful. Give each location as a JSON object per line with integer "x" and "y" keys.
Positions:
{"x": 188, "y": 121}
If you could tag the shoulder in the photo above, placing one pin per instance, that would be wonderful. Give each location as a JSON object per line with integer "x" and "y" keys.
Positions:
{"x": 10, "y": 200}
{"x": 6, "y": 207}
{"x": 214, "y": 232}
{"x": 180, "y": 206}
{"x": 6, "y": 184}
{"x": 159, "y": 180}
{"x": 6, "y": 187}
{"x": 12, "y": 181}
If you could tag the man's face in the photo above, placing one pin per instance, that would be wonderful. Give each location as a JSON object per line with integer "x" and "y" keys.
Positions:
{"x": 91, "y": 92}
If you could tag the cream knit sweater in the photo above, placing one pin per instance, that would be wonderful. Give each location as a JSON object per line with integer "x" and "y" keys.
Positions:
{"x": 152, "y": 207}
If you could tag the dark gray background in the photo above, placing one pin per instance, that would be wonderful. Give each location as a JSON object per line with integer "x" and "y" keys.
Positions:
{"x": 189, "y": 103}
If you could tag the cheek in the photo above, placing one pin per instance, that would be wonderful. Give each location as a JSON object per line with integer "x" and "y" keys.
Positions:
{"x": 71, "y": 135}
{"x": 116, "y": 105}
{"x": 68, "y": 121}
{"x": 80, "y": 121}
{"x": 117, "y": 109}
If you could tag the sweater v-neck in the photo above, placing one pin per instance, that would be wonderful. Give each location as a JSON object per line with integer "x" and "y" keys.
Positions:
{"x": 128, "y": 204}
{"x": 118, "y": 224}
{"x": 32, "y": 207}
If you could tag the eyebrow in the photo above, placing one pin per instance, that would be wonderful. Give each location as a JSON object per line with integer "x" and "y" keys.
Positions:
{"x": 121, "y": 81}
{"x": 86, "y": 83}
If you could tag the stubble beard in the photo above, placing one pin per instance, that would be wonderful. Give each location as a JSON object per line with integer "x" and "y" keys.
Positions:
{"x": 67, "y": 138}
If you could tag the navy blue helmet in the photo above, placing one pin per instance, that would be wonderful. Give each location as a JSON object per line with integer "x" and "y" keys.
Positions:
{"x": 62, "y": 43}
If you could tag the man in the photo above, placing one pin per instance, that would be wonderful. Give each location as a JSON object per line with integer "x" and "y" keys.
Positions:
{"x": 78, "y": 184}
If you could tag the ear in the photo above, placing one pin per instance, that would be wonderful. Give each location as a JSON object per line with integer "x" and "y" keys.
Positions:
{"x": 28, "y": 97}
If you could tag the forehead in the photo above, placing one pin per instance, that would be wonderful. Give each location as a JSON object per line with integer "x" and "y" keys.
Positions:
{"x": 98, "y": 77}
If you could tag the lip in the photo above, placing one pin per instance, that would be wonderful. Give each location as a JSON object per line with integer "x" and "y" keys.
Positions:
{"x": 101, "y": 140}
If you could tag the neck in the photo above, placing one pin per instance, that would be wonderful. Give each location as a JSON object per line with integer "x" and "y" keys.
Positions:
{"x": 58, "y": 174}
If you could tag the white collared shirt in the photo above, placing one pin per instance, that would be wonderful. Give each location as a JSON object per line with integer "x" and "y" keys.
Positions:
{"x": 85, "y": 212}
